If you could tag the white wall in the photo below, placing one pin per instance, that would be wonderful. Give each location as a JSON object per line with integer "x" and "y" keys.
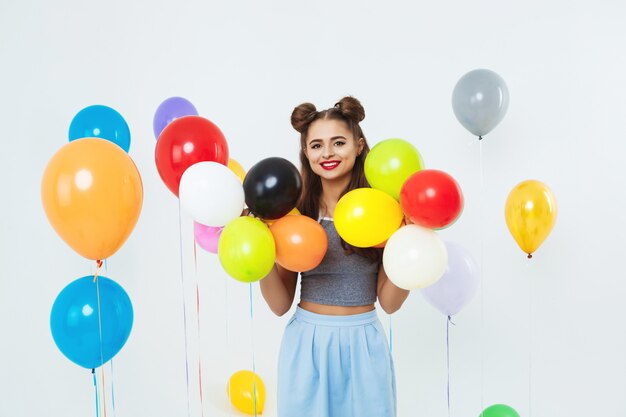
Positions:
{"x": 245, "y": 65}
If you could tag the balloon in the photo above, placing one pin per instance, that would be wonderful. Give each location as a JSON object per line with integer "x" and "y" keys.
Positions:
{"x": 414, "y": 257}
{"x": 246, "y": 391}
{"x": 480, "y": 100}
{"x": 88, "y": 331}
{"x": 211, "y": 193}
{"x": 237, "y": 169}
{"x": 431, "y": 198}
{"x": 499, "y": 410}
{"x": 100, "y": 122}
{"x": 246, "y": 249}
{"x": 92, "y": 194}
{"x": 365, "y": 217}
{"x": 272, "y": 188}
{"x": 301, "y": 242}
{"x": 184, "y": 142}
{"x": 207, "y": 237}
{"x": 530, "y": 214}
{"x": 390, "y": 163}
{"x": 170, "y": 110}
{"x": 459, "y": 282}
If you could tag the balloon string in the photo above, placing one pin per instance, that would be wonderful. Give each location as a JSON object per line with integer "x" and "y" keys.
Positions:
{"x": 252, "y": 348}
{"x": 104, "y": 401}
{"x": 98, "y": 266}
{"x": 104, "y": 396}
{"x": 106, "y": 271}
{"x": 230, "y": 408}
{"x": 482, "y": 283}
{"x": 195, "y": 261}
{"x": 95, "y": 386}
{"x": 182, "y": 284}
{"x": 448, "y": 322}
{"x": 530, "y": 338}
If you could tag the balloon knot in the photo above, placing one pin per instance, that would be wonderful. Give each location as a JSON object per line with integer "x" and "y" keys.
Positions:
{"x": 480, "y": 138}
{"x": 93, "y": 370}
{"x": 99, "y": 263}
{"x": 530, "y": 256}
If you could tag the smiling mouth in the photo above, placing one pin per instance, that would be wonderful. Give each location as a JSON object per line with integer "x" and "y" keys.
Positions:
{"x": 330, "y": 165}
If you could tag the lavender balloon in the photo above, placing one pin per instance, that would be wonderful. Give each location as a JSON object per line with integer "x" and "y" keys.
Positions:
{"x": 458, "y": 284}
{"x": 207, "y": 236}
{"x": 169, "y": 110}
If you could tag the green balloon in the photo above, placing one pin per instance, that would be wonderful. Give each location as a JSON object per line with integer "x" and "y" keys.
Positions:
{"x": 390, "y": 163}
{"x": 499, "y": 410}
{"x": 246, "y": 249}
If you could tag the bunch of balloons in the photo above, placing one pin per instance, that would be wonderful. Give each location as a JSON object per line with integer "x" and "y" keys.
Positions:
{"x": 193, "y": 161}
{"x": 402, "y": 192}
{"x": 92, "y": 194}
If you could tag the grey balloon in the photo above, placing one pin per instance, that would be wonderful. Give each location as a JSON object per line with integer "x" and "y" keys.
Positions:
{"x": 480, "y": 100}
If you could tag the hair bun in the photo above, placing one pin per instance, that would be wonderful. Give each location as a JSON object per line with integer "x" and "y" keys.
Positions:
{"x": 301, "y": 116}
{"x": 351, "y": 108}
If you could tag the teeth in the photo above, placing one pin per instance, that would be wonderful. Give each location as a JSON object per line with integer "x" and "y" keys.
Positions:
{"x": 330, "y": 164}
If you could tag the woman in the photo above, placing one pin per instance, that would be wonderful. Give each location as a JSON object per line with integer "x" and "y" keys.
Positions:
{"x": 334, "y": 359}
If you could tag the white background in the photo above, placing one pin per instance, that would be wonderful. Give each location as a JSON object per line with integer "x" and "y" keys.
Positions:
{"x": 545, "y": 336}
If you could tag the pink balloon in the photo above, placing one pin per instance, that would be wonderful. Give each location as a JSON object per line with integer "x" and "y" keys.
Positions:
{"x": 207, "y": 236}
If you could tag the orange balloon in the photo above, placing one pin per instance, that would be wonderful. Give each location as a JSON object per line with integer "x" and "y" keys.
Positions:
{"x": 301, "y": 242}
{"x": 92, "y": 194}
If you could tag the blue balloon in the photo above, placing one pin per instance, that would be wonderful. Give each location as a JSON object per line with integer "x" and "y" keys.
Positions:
{"x": 84, "y": 337}
{"x": 100, "y": 122}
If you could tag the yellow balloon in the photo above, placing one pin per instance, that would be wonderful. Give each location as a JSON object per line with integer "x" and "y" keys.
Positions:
{"x": 92, "y": 194}
{"x": 237, "y": 169}
{"x": 530, "y": 213}
{"x": 245, "y": 388}
{"x": 365, "y": 217}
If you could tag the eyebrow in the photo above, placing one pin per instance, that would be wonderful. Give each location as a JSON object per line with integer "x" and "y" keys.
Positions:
{"x": 333, "y": 138}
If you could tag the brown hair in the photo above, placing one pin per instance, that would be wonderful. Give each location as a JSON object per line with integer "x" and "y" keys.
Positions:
{"x": 350, "y": 111}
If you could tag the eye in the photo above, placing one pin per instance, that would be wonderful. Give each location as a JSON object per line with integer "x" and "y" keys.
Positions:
{"x": 340, "y": 143}
{"x": 315, "y": 146}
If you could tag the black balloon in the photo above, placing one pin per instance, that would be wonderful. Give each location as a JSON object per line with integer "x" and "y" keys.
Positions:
{"x": 272, "y": 188}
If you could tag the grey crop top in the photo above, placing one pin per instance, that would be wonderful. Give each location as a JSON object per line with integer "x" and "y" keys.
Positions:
{"x": 340, "y": 279}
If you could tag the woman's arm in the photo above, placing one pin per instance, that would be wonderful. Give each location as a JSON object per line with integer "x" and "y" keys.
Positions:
{"x": 390, "y": 297}
{"x": 279, "y": 289}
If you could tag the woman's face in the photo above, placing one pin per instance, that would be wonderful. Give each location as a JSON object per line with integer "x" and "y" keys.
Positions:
{"x": 331, "y": 149}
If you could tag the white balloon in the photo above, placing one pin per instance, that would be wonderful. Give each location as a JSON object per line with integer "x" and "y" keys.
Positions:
{"x": 414, "y": 257}
{"x": 211, "y": 193}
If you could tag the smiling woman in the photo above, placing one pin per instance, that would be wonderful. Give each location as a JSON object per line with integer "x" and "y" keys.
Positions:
{"x": 344, "y": 366}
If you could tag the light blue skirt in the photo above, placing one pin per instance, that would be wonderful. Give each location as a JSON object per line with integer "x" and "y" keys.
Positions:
{"x": 335, "y": 366}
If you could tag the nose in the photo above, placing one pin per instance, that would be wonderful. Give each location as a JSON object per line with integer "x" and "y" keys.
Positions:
{"x": 328, "y": 152}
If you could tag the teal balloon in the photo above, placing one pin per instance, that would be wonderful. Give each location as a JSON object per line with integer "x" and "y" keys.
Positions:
{"x": 480, "y": 100}
{"x": 100, "y": 122}
{"x": 499, "y": 410}
{"x": 85, "y": 337}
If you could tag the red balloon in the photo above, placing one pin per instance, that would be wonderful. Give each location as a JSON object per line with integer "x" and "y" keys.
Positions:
{"x": 184, "y": 142}
{"x": 431, "y": 198}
